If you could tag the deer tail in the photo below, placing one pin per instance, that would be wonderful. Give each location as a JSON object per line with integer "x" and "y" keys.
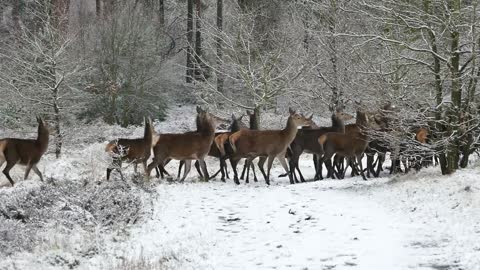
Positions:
{"x": 322, "y": 141}
{"x": 155, "y": 139}
{"x": 110, "y": 147}
{"x": 3, "y": 145}
{"x": 220, "y": 143}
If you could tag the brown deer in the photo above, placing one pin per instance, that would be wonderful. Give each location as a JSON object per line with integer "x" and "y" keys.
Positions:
{"x": 254, "y": 125}
{"x": 186, "y": 146}
{"x": 25, "y": 152}
{"x": 132, "y": 150}
{"x": 220, "y": 148}
{"x": 269, "y": 144}
{"x": 350, "y": 145}
{"x": 307, "y": 141}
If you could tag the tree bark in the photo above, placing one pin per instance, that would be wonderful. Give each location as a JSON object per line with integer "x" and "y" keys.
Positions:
{"x": 189, "y": 74}
{"x": 220, "y": 77}
{"x": 198, "y": 42}
{"x": 456, "y": 96}
{"x": 98, "y": 8}
{"x": 161, "y": 13}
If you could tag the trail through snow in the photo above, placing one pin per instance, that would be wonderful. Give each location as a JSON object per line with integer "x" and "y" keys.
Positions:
{"x": 305, "y": 226}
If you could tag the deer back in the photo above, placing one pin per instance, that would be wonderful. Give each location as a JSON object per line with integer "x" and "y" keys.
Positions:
{"x": 266, "y": 142}
{"x": 26, "y": 151}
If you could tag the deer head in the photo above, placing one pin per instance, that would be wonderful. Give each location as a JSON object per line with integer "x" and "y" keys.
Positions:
{"x": 297, "y": 119}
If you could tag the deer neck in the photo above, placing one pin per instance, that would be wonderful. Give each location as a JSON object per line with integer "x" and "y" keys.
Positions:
{"x": 338, "y": 124}
{"x": 290, "y": 131}
{"x": 42, "y": 138}
{"x": 148, "y": 134}
{"x": 208, "y": 130}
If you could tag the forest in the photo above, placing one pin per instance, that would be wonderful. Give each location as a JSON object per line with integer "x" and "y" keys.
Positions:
{"x": 385, "y": 87}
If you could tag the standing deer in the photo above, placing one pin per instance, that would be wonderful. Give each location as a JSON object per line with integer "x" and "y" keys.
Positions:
{"x": 350, "y": 145}
{"x": 219, "y": 148}
{"x": 307, "y": 141}
{"x": 132, "y": 150}
{"x": 25, "y": 152}
{"x": 186, "y": 146}
{"x": 254, "y": 125}
{"x": 269, "y": 144}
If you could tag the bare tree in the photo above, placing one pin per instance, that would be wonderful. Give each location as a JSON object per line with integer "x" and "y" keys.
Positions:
{"x": 38, "y": 72}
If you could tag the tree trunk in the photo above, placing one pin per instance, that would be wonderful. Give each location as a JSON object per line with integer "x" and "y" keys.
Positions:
{"x": 256, "y": 111}
{"x": 332, "y": 25}
{"x": 189, "y": 74}
{"x": 456, "y": 97}
{"x": 161, "y": 13}
{"x": 58, "y": 131}
{"x": 98, "y": 8}
{"x": 439, "y": 127}
{"x": 198, "y": 42}
{"x": 61, "y": 14}
{"x": 220, "y": 77}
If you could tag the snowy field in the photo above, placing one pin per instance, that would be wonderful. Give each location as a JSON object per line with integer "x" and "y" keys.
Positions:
{"x": 77, "y": 220}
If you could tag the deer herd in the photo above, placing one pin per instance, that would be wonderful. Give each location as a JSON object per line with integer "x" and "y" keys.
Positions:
{"x": 332, "y": 146}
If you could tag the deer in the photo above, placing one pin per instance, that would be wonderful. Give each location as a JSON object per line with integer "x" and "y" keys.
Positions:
{"x": 254, "y": 125}
{"x": 218, "y": 149}
{"x": 306, "y": 140}
{"x": 186, "y": 146}
{"x": 268, "y": 144}
{"x": 350, "y": 144}
{"x": 26, "y": 152}
{"x": 131, "y": 150}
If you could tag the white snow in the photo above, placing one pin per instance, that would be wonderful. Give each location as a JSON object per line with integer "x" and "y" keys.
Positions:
{"x": 416, "y": 221}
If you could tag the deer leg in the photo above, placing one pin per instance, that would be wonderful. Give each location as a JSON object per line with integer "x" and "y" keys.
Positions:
{"x": 315, "y": 163}
{"x": 318, "y": 174}
{"x": 301, "y": 175}
{"x": 225, "y": 168}
{"x": 188, "y": 166}
{"x": 27, "y": 171}
{"x": 248, "y": 161}
{"x": 254, "y": 174}
{"x": 282, "y": 160}
{"x": 37, "y": 171}
{"x": 245, "y": 165}
{"x": 135, "y": 167}
{"x": 203, "y": 165}
{"x": 180, "y": 166}
{"x": 370, "y": 164}
{"x": 158, "y": 161}
{"x": 360, "y": 165}
{"x": 261, "y": 161}
{"x": 6, "y": 171}
{"x": 269, "y": 167}
{"x": 381, "y": 159}
{"x": 197, "y": 167}
{"x": 234, "y": 163}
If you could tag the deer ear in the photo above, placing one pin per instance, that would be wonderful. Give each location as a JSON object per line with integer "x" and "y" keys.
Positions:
{"x": 291, "y": 111}
{"x": 311, "y": 117}
{"x": 199, "y": 109}
{"x": 233, "y": 117}
{"x": 249, "y": 113}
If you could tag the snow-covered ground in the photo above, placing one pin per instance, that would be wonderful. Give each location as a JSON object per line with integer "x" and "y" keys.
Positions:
{"x": 416, "y": 221}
